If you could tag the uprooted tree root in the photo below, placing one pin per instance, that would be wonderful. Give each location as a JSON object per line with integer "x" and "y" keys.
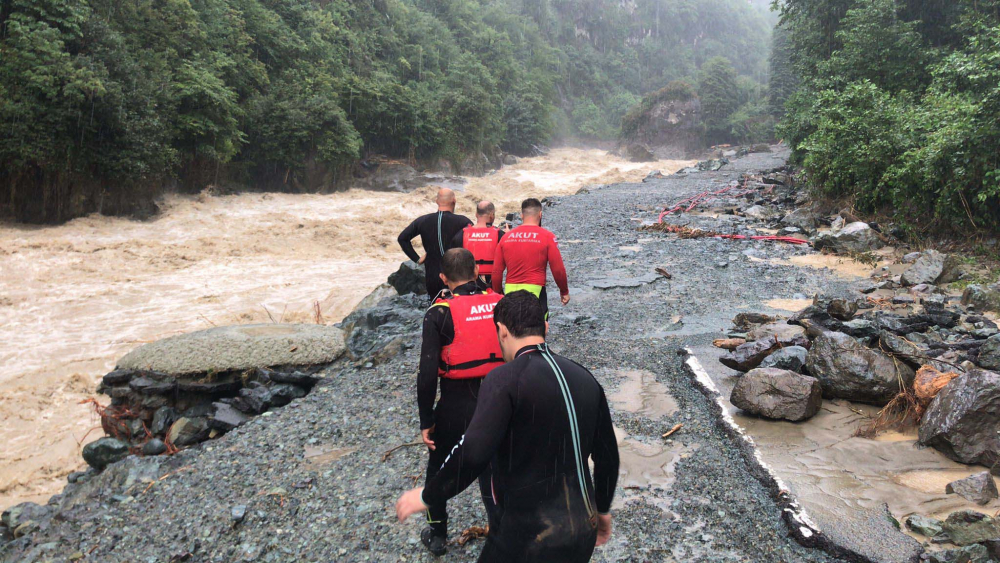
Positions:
{"x": 113, "y": 419}
{"x": 902, "y": 411}
{"x": 114, "y": 423}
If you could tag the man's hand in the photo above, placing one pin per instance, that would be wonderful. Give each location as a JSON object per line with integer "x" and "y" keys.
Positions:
{"x": 603, "y": 528}
{"x": 565, "y": 299}
{"x": 425, "y": 434}
{"x": 411, "y": 503}
{"x": 422, "y": 259}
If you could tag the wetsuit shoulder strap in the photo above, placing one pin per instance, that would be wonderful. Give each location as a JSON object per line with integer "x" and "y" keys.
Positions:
{"x": 574, "y": 425}
{"x": 440, "y": 236}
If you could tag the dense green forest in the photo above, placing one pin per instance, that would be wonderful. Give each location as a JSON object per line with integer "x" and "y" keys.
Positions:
{"x": 896, "y": 104}
{"x": 105, "y": 103}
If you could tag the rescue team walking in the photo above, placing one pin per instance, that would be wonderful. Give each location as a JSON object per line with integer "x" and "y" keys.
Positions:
{"x": 525, "y": 428}
{"x": 537, "y": 421}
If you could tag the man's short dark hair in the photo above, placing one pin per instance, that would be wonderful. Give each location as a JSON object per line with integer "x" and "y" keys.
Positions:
{"x": 458, "y": 264}
{"x": 521, "y": 312}
{"x": 485, "y": 208}
{"x": 531, "y": 206}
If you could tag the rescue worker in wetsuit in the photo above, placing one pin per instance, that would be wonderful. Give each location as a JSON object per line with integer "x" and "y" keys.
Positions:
{"x": 481, "y": 239}
{"x": 436, "y": 231}
{"x": 539, "y": 418}
{"x": 459, "y": 348}
{"x": 525, "y": 252}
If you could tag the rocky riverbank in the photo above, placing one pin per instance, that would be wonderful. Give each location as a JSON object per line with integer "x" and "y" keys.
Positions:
{"x": 315, "y": 480}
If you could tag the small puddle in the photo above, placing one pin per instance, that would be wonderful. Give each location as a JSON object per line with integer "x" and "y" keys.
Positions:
{"x": 843, "y": 266}
{"x": 321, "y": 456}
{"x": 641, "y": 394}
{"x": 793, "y": 305}
{"x": 647, "y": 466}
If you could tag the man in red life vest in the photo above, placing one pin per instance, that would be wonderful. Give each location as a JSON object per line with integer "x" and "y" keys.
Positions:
{"x": 526, "y": 252}
{"x": 459, "y": 348}
{"x": 481, "y": 240}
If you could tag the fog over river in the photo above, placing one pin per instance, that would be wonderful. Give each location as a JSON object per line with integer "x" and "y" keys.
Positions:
{"x": 74, "y": 298}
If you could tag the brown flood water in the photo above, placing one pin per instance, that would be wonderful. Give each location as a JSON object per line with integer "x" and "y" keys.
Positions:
{"x": 76, "y": 297}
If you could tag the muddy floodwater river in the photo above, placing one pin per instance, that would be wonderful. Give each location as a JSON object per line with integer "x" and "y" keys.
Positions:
{"x": 74, "y": 298}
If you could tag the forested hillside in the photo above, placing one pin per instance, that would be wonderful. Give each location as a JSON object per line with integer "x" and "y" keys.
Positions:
{"x": 105, "y": 103}
{"x": 898, "y": 105}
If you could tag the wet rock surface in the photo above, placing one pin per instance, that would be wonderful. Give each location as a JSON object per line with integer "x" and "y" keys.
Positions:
{"x": 967, "y": 527}
{"x": 235, "y": 347}
{"x": 792, "y": 358}
{"x": 409, "y": 278}
{"x": 103, "y": 452}
{"x": 849, "y": 370}
{"x": 778, "y": 394}
{"x": 311, "y": 475}
{"x": 979, "y": 488}
{"x": 854, "y": 237}
{"x": 963, "y": 419}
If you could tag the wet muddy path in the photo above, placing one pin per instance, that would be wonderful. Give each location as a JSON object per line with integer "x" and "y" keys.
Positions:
{"x": 625, "y": 321}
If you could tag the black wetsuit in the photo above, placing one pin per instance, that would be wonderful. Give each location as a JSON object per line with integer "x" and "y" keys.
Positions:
{"x": 428, "y": 227}
{"x": 457, "y": 404}
{"x": 484, "y": 281}
{"x": 539, "y": 463}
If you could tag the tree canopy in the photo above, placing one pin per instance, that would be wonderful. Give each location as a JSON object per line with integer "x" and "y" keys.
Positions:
{"x": 103, "y": 103}
{"x": 896, "y": 105}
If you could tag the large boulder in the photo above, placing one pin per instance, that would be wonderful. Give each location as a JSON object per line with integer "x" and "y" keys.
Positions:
{"x": 17, "y": 515}
{"x": 902, "y": 349}
{"x": 409, "y": 278}
{"x": 932, "y": 267}
{"x": 637, "y": 152}
{"x": 854, "y": 237}
{"x": 187, "y": 431}
{"x": 391, "y": 176}
{"x": 849, "y": 370}
{"x": 103, "y": 452}
{"x": 967, "y": 527}
{"x": 979, "y": 488}
{"x": 792, "y": 358}
{"x": 240, "y": 347}
{"x": 804, "y": 218}
{"x": 748, "y": 356}
{"x": 982, "y": 298}
{"x": 975, "y": 553}
{"x": 778, "y": 394}
{"x": 989, "y": 354}
{"x": 963, "y": 420}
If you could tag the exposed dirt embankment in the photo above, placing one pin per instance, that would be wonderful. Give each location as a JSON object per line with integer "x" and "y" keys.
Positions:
{"x": 76, "y": 297}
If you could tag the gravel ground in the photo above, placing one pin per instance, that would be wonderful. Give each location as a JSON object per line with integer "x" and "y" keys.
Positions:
{"x": 308, "y": 483}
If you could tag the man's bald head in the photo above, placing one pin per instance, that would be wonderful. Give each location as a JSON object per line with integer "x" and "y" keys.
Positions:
{"x": 446, "y": 199}
{"x": 485, "y": 209}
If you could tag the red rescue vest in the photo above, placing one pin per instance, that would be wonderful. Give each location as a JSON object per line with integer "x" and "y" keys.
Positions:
{"x": 482, "y": 243}
{"x": 476, "y": 349}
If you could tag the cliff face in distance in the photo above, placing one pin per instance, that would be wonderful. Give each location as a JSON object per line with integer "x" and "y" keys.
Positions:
{"x": 667, "y": 124}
